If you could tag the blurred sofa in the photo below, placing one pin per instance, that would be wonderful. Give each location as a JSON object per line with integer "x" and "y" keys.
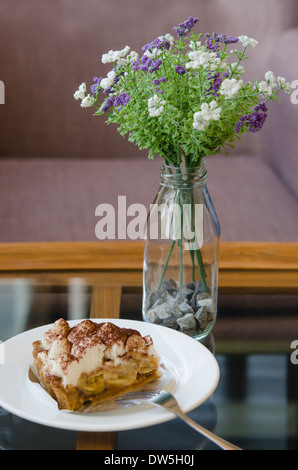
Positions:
{"x": 58, "y": 162}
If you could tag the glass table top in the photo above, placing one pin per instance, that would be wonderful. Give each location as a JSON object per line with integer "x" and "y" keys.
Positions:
{"x": 255, "y": 405}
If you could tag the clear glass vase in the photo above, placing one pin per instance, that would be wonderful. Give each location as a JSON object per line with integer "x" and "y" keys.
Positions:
{"x": 180, "y": 271}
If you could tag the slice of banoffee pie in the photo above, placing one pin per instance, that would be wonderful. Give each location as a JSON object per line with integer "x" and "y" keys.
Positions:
{"x": 93, "y": 362}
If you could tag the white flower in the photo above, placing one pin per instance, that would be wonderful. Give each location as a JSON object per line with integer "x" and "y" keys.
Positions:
{"x": 230, "y": 87}
{"x": 194, "y": 45}
{"x": 155, "y": 112}
{"x": 133, "y": 56}
{"x": 216, "y": 111}
{"x": 204, "y": 59}
{"x": 109, "y": 80}
{"x": 107, "y": 58}
{"x": 168, "y": 37}
{"x": 246, "y": 41}
{"x": 270, "y": 78}
{"x": 265, "y": 88}
{"x": 88, "y": 101}
{"x": 153, "y": 53}
{"x": 81, "y": 91}
{"x": 115, "y": 56}
{"x": 209, "y": 112}
{"x": 239, "y": 68}
{"x": 199, "y": 123}
{"x": 155, "y": 106}
{"x": 286, "y": 86}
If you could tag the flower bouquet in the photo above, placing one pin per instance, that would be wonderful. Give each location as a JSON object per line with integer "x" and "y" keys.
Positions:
{"x": 183, "y": 98}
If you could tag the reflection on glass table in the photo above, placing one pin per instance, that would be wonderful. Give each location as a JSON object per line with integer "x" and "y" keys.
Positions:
{"x": 254, "y": 405}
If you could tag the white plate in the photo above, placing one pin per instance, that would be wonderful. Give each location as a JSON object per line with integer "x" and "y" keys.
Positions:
{"x": 194, "y": 370}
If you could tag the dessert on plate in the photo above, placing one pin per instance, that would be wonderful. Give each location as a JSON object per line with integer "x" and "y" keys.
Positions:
{"x": 92, "y": 362}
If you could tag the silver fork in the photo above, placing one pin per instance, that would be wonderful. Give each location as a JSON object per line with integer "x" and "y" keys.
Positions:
{"x": 167, "y": 400}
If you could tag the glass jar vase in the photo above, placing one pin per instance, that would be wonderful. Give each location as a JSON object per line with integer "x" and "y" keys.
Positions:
{"x": 180, "y": 270}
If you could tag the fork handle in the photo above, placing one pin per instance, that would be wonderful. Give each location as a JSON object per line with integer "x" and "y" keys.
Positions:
{"x": 222, "y": 443}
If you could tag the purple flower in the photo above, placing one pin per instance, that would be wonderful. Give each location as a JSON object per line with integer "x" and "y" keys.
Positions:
{"x": 213, "y": 42}
{"x": 255, "y": 120}
{"x": 184, "y": 28}
{"x": 136, "y": 65}
{"x": 94, "y": 88}
{"x": 157, "y": 81}
{"x": 142, "y": 64}
{"x": 109, "y": 90}
{"x": 158, "y": 43}
{"x": 180, "y": 70}
{"x": 115, "y": 102}
{"x": 240, "y": 123}
{"x": 155, "y": 65}
{"x": 109, "y": 103}
{"x": 121, "y": 100}
{"x": 229, "y": 39}
{"x": 145, "y": 63}
{"x": 216, "y": 81}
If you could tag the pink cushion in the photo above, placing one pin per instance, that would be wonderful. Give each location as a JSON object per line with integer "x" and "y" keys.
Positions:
{"x": 55, "y": 199}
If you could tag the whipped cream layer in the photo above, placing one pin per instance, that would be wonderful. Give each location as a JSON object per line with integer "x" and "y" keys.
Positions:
{"x": 70, "y": 352}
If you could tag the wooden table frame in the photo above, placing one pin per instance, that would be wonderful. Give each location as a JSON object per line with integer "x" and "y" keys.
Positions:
{"x": 113, "y": 268}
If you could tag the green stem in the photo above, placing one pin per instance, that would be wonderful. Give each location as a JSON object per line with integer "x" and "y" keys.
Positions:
{"x": 240, "y": 58}
{"x": 193, "y": 270}
{"x": 203, "y": 274}
{"x": 180, "y": 262}
{"x": 166, "y": 264}
{"x": 169, "y": 160}
{"x": 178, "y": 155}
{"x": 180, "y": 247}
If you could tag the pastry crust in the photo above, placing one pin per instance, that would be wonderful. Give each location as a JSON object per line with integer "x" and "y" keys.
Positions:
{"x": 93, "y": 362}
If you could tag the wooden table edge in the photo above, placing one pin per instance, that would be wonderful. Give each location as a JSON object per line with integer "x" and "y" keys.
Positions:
{"x": 128, "y": 255}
